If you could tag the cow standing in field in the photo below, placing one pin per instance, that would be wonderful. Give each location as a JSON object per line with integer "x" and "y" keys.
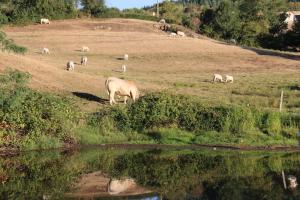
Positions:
{"x": 126, "y": 57}
{"x": 45, "y": 21}
{"x": 85, "y": 49}
{"x": 84, "y": 60}
{"x": 228, "y": 79}
{"x": 217, "y": 78}
{"x": 121, "y": 87}
{"x": 123, "y": 68}
{"x": 70, "y": 66}
{"x": 45, "y": 51}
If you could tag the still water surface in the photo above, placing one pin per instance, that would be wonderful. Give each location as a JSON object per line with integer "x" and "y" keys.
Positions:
{"x": 166, "y": 173}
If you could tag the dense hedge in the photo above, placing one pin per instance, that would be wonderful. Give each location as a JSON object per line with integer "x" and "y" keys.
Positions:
{"x": 32, "y": 119}
{"x": 157, "y": 110}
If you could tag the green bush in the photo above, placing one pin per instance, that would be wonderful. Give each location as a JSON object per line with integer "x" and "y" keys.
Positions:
{"x": 30, "y": 116}
{"x": 159, "y": 110}
{"x": 9, "y": 45}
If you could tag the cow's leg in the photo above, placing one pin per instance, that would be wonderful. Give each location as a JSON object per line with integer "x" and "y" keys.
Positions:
{"x": 111, "y": 98}
{"x": 125, "y": 99}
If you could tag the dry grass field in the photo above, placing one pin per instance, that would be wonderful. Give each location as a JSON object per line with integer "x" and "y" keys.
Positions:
{"x": 156, "y": 62}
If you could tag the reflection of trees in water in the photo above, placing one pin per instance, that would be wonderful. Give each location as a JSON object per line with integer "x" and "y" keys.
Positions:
{"x": 175, "y": 174}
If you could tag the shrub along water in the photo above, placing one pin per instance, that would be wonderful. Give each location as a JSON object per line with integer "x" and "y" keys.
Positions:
{"x": 35, "y": 120}
{"x": 162, "y": 110}
{"x": 32, "y": 120}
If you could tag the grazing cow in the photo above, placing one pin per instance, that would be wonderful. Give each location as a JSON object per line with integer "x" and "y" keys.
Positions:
{"x": 45, "y": 21}
{"x": 162, "y": 21}
{"x": 217, "y": 78}
{"x": 228, "y": 79}
{"x": 45, "y": 51}
{"x": 85, "y": 49}
{"x": 123, "y": 68}
{"x": 84, "y": 60}
{"x": 70, "y": 66}
{"x": 126, "y": 57}
{"x": 180, "y": 33}
{"x": 173, "y": 34}
{"x": 121, "y": 87}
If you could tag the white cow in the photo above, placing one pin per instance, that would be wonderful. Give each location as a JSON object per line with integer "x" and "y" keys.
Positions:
{"x": 85, "y": 49}
{"x": 126, "y": 57}
{"x": 84, "y": 60}
{"x": 173, "y": 34}
{"x": 45, "y": 51}
{"x": 45, "y": 21}
{"x": 217, "y": 77}
{"x": 121, "y": 88}
{"x": 162, "y": 21}
{"x": 180, "y": 33}
{"x": 228, "y": 78}
{"x": 70, "y": 66}
{"x": 123, "y": 68}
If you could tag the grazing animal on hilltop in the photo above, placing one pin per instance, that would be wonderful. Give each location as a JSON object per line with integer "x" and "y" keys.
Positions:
{"x": 162, "y": 21}
{"x": 121, "y": 87}
{"x": 45, "y": 51}
{"x": 45, "y": 21}
{"x": 85, "y": 49}
{"x": 84, "y": 60}
{"x": 70, "y": 66}
{"x": 123, "y": 68}
{"x": 217, "y": 78}
{"x": 126, "y": 57}
{"x": 228, "y": 79}
{"x": 180, "y": 33}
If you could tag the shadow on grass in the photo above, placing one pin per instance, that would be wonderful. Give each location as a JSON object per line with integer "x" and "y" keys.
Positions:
{"x": 294, "y": 87}
{"x": 90, "y": 97}
{"x": 273, "y": 53}
{"x": 120, "y": 58}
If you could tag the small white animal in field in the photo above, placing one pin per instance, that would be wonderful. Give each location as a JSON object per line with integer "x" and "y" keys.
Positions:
{"x": 123, "y": 68}
{"x": 85, "y": 49}
{"x": 45, "y": 21}
{"x": 173, "y": 34}
{"x": 228, "y": 79}
{"x": 45, "y": 51}
{"x": 180, "y": 33}
{"x": 217, "y": 78}
{"x": 162, "y": 21}
{"x": 70, "y": 66}
{"x": 121, "y": 87}
{"x": 126, "y": 57}
{"x": 84, "y": 60}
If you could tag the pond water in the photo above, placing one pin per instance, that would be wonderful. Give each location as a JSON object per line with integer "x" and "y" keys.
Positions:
{"x": 164, "y": 173}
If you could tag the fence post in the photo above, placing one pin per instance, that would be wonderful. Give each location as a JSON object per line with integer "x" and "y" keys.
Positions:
{"x": 281, "y": 101}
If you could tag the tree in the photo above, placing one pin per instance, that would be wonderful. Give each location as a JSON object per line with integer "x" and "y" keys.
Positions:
{"x": 91, "y": 6}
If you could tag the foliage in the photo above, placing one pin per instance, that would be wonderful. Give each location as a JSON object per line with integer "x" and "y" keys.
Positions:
{"x": 171, "y": 12}
{"x": 244, "y": 20}
{"x": 163, "y": 110}
{"x": 93, "y": 6}
{"x": 24, "y": 11}
{"x": 9, "y": 45}
{"x": 31, "y": 119}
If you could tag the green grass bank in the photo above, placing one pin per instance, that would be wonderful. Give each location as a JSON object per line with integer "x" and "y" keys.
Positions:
{"x": 36, "y": 120}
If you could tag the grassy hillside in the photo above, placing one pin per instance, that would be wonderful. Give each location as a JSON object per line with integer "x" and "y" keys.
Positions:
{"x": 156, "y": 62}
